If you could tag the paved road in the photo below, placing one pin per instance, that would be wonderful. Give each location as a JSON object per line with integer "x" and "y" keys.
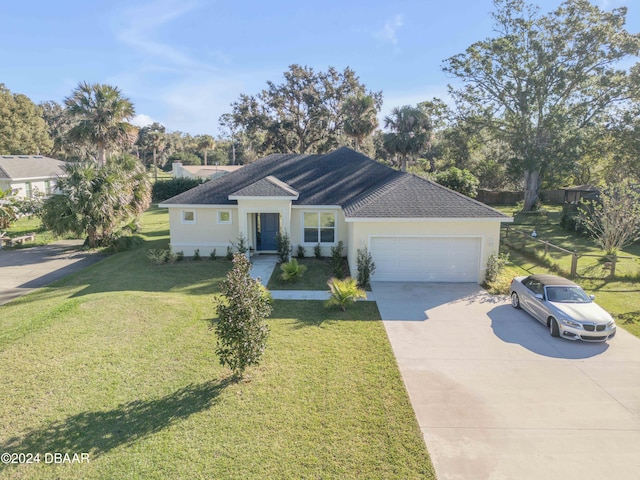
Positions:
{"x": 24, "y": 270}
{"x": 497, "y": 397}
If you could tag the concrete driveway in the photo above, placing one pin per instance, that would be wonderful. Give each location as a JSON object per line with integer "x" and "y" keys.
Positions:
{"x": 26, "y": 269}
{"x": 497, "y": 397}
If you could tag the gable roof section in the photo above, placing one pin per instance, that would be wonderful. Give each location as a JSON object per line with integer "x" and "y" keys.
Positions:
{"x": 268, "y": 186}
{"x": 363, "y": 187}
{"x": 24, "y": 167}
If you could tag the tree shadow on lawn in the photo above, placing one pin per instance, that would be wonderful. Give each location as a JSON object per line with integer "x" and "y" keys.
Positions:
{"x": 100, "y": 432}
{"x": 315, "y": 313}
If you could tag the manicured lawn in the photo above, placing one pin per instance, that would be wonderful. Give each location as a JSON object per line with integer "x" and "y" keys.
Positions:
{"x": 118, "y": 361}
{"x": 318, "y": 273}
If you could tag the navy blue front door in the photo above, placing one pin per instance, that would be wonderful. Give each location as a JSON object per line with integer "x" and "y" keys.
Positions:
{"x": 268, "y": 227}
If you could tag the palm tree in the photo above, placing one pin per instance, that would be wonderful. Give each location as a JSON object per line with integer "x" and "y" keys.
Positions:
{"x": 97, "y": 201}
{"x": 360, "y": 117}
{"x": 101, "y": 112}
{"x": 410, "y": 132}
{"x": 205, "y": 142}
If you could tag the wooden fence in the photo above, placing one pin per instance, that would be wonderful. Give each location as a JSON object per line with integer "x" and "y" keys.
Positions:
{"x": 520, "y": 240}
{"x": 511, "y": 198}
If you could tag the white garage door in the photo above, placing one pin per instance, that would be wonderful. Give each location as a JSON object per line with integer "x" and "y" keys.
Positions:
{"x": 426, "y": 259}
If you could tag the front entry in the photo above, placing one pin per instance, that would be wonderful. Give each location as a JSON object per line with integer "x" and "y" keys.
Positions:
{"x": 267, "y": 226}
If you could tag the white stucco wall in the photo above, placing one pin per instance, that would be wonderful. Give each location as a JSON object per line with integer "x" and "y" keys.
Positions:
{"x": 360, "y": 234}
{"x": 205, "y": 233}
{"x": 20, "y": 186}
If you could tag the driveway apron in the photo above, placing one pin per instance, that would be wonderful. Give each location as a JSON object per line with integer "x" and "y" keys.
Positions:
{"x": 26, "y": 269}
{"x": 496, "y": 397}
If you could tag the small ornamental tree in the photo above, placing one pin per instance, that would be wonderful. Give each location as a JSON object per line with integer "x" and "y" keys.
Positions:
{"x": 613, "y": 220}
{"x": 241, "y": 328}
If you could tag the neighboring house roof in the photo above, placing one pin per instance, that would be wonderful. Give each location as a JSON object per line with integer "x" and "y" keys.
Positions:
{"x": 363, "y": 187}
{"x": 24, "y": 167}
{"x": 205, "y": 171}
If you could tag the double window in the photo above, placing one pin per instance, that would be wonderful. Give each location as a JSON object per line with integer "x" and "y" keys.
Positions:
{"x": 319, "y": 227}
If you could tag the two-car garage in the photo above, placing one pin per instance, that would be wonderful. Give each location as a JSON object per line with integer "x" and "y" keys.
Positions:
{"x": 426, "y": 258}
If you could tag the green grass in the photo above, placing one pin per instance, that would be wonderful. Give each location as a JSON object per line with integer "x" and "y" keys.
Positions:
{"x": 27, "y": 225}
{"x": 118, "y": 361}
{"x": 318, "y": 273}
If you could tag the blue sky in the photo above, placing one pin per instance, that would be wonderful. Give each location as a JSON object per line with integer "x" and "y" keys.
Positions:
{"x": 182, "y": 62}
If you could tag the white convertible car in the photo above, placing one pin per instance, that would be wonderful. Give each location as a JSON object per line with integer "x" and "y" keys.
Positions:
{"x": 563, "y": 307}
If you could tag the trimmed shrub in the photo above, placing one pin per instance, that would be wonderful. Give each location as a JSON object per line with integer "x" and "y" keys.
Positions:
{"x": 366, "y": 267}
{"x": 212, "y": 255}
{"x": 165, "y": 189}
{"x": 158, "y": 256}
{"x": 317, "y": 251}
{"x": 336, "y": 260}
{"x": 283, "y": 243}
{"x": 301, "y": 251}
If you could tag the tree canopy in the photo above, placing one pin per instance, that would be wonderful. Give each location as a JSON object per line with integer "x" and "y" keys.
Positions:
{"x": 23, "y": 131}
{"x": 410, "y": 130}
{"x": 543, "y": 79}
{"x": 302, "y": 115}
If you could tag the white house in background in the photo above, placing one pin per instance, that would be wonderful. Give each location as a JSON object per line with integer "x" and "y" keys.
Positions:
{"x": 415, "y": 229}
{"x": 201, "y": 171}
{"x": 26, "y": 174}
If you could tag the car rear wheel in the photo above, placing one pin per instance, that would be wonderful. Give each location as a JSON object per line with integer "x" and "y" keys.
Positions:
{"x": 515, "y": 300}
{"x": 553, "y": 327}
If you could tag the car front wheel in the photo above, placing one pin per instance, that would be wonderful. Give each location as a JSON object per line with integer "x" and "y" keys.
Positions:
{"x": 553, "y": 327}
{"x": 515, "y": 301}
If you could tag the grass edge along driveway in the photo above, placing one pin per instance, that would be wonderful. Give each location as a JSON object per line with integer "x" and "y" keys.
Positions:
{"x": 117, "y": 361}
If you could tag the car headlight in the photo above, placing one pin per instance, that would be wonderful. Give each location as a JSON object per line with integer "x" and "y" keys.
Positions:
{"x": 570, "y": 323}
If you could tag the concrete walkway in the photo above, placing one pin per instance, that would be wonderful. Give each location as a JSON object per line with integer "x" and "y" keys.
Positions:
{"x": 497, "y": 397}
{"x": 25, "y": 269}
{"x": 262, "y": 267}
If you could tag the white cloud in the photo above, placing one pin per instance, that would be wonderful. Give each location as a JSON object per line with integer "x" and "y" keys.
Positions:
{"x": 138, "y": 26}
{"x": 388, "y": 33}
{"x": 142, "y": 120}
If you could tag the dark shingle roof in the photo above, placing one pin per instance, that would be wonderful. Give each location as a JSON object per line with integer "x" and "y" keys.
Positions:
{"x": 361, "y": 186}
{"x": 266, "y": 187}
{"x": 409, "y": 196}
{"x": 30, "y": 166}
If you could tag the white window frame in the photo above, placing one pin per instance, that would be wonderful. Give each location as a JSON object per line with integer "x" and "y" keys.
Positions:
{"x": 183, "y": 217}
{"x": 225, "y": 222}
{"x": 335, "y": 227}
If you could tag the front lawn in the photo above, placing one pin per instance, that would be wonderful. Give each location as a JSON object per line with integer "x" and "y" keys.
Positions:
{"x": 118, "y": 361}
{"x": 318, "y": 273}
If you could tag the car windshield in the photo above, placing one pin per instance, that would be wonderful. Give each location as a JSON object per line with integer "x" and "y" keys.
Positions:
{"x": 567, "y": 295}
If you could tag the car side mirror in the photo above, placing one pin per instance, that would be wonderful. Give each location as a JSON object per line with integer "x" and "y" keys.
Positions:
{"x": 539, "y": 296}
{"x": 592, "y": 297}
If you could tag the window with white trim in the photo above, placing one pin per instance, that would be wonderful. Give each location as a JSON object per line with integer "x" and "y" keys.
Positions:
{"x": 188, "y": 216}
{"x": 319, "y": 227}
{"x": 224, "y": 216}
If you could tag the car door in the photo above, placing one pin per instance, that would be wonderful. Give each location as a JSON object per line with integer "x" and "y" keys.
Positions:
{"x": 532, "y": 304}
